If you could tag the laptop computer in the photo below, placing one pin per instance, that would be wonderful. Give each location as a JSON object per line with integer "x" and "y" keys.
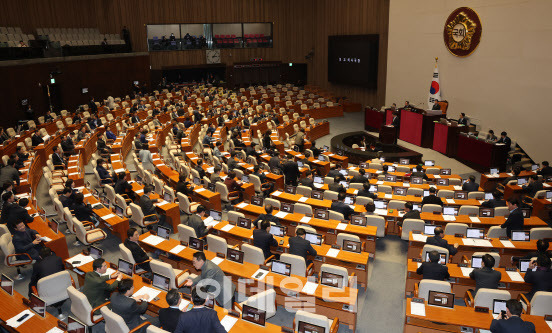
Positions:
{"x": 253, "y": 315}
{"x": 286, "y": 207}
{"x": 235, "y": 255}
{"x": 520, "y": 235}
{"x": 215, "y": 214}
{"x": 197, "y": 181}
{"x": 6, "y": 284}
{"x": 380, "y": 204}
{"x": 522, "y": 181}
{"x": 163, "y": 232}
{"x": 391, "y": 168}
{"x": 314, "y": 239}
{"x": 493, "y": 171}
{"x": 95, "y": 252}
{"x": 332, "y": 280}
{"x": 161, "y": 281}
{"x": 119, "y": 211}
{"x": 344, "y": 172}
{"x": 390, "y": 178}
{"x": 477, "y": 261}
{"x": 429, "y": 229}
{"x": 344, "y": 183}
{"x": 358, "y": 220}
{"x": 523, "y": 265}
{"x": 278, "y": 230}
{"x": 322, "y": 214}
{"x": 257, "y": 200}
{"x": 445, "y": 172}
{"x": 244, "y": 222}
{"x": 300, "y": 164}
{"x": 196, "y": 243}
{"x": 167, "y": 197}
{"x": 318, "y": 180}
{"x": 477, "y": 233}
{"x": 426, "y": 193}
{"x": 280, "y": 267}
{"x": 75, "y": 326}
{"x": 125, "y": 267}
{"x": 245, "y": 179}
{"x": 38, "y": 305}
{"x": 317, "y": 194}
{"x": 442, "y": 258}
{"x": 489, "y": 196}
{"x": 304, "y": 327}
{"x": 352, "y": 246}
{"x": 373, "y": 189}
{"x": 441, "y": 299}
{"x": 450, "y": 210}
{"x": 212, "y": 187}
{"x": 53, "y": 225}
{"x": 416, "y": 206}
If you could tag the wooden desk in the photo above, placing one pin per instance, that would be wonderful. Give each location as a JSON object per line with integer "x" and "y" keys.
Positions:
{"x": 417, "y": 128}
{"x": 481, "y": 155}
{"x": 445, "y": 138}
{"x": 58, "y": 243}
{"x": 117, "y": 225}
{"x": 169, "y": 209}
{"x": 373, "y": 119}
{"x": 489, "y": 182}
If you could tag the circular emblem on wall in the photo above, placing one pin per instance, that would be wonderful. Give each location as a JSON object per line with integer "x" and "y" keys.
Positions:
{"x": 462, "y": 31}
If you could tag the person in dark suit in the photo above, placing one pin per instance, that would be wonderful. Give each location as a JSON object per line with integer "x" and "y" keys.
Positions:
{"x": 9, "y": 173}
{"x": 396, "y": 121}
{"x": 36, "y": 139}
{"x": 146, "y": 204}
{"x": 341, "y": 207}
{"x": 512, "y": 323}
{"x": 486, "y": 276}
{"x": 365, "y": 192}
{"x": 305, "y": 160}
{"x": 199, "y": 168}
{"x": 21, "y": 154}
{"x": 263, "y": 239}
{"x": 432, "y": 198}
{"x": 82, "y": 211}
{"x": 515, "y": 220}
{"x": 92, "y": 106}
{"x": 360, "y": 177}
{"x": 541, "y": 278}
{"x": 470, "y": 185}
{"x": 307, "y": 181}
{"x": 433, "y": 269}
{"x": 267, "y": 216}
{"x": 26, "y": 240}
{"x": 436, "y": 105}
{"x": 533, "y": 187}
{"x": 291, "y": 172}
{"x": 496, "y": 201}
{"x": 542, "y": 250}
{"x": 463, "y": 120}
{"x": 336, "y": 172}
{"x": 516, "y": 171}
{"x": 17, "y": 213}
{"x": 57, "y": 159}
{"x": 139, "y": 255}
{"x": 410, "y": 213}
{"x": 419, "y": 172}
{"x": 545, "y": 169}
{"x": 123, "y": 187}
{"x": 134, "y": 118}
{"x": 126, "y": 306}
{"x": 168, "y": 317}
{"x": 65, "y": 197}
{"x": 505, "y": 140}
{"x": 68, "y": 145}
{"x": 491, "y": 136}
{"x": 95, "y": 287}
{"x": 438, "y": 240}
{"x": 199, "y": 319}
{"x": 299, "y": 246}
{"x": 315, "y": 151}
{"x": 48, "y": 264}
{"x": 274, "y": 162}
{"x": 105, "y": 176}
{"x": 232, "y": 162}
{"x": 336, "y": 186}
{"x": 196, "y": 222}
{"x": 266, "y": 187}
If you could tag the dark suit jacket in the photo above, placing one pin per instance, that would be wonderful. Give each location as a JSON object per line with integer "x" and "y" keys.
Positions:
{"x": 65, "y": 201}
{"x": 264, "y": 241}
{"x": 82, "y": 212}
{"x": 493, "y": 203}
{"x": 462, "y": 121}
{"x": 168, "y": 318}
{"x": 199, "y": 320}
{"x": 434, "y": 271}
{"x": 485, "y": 278}
{"x": 56, "y": 160}
{"x": 470, "y": 187}
{"x": 514, "y": 222}
{"x": 533, "y": 188}
{"x": 291, "y": 171}
{"x": 438, "y": 241}
{"x": 333, "y": 173}
{"x": 8, "y": 173}
{"x": 128, "y": 309}
{"x": 17, "y": 214}
{"x": 368, "y": 194}
{"x": 301, "y": 247}
{"x": 103, "y": 173}
{"x": 545, "y": 171}
{"x": 396, "y": 122}
{"x": 413, "y": 214}
{"x": 122, "y": 186}
{"x": 196, "y": 223}
{"x": 307, "y": 182}
{"x": 541, "y": 281}
{"x": 96, "y": 289}
{"x": 36, "y": 140}
{"x": 359, "y": 179}
{"x": 274, "y": 162}
{"x": 432, "y": 199}
{"x": 212, "y": 272}
{"x": 270, "y": 217}
{"x": 506, "y": 140}
{"x": 44, "y": 267}
{"x": 23, "y": 243}
{"x": 138, "y": 253}
{"x": 343, "y": 208}
{"x": 147, "y": 205}
{"x": 513, "y": 324}
{"x": 67, "y": 145}
{"x": 336, "y": 187}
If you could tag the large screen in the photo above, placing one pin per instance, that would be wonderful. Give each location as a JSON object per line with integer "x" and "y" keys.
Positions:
{"x": 353, "y": 60}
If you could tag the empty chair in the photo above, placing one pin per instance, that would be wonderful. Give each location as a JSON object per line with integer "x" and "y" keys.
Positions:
{"x": 385, "y": 189}
{"x": 217, "y": 244}
{"x": 177, "y": 277}
{"x": 116, "y": 324}
{"x": 265, "y": 301}
{"x": 469, "y": 210}
{"x": 428, "y": 248}
{"x": 88, "y": 236}
{"x": 336, "y": 216}
{"x": 445, "y": 194}
{"x": 345, "y": 236}
{"x": 430, "y": 208}
{"x": 501, "y": 211}
{"x": 81, "y": 308}
{"x": 422, "y": 289}
{"x": 53, "y": 289}
{"x": 540, "y": 233}
{"x": 298, "y": 264}
{"x": 330, "y": 195}
{"x": 304, "y": 191}
{"x": 300, "y": 208}
{"x": 233, "y": 216}
{"x": 363, "y": 201}
{"x": 456, "y": 228}
{"x": 185, "y": 205}
{"x": 485, "y": 297}
{"x": 415, "y": 191}
{"x": 275, "y": 203}
{"x": 411, "y": 225}
{"x": 185, "y": 232}
{"x": 378, "y": 222}
{"x": 476, "y": 195}
{"x": 539, "y": 305}
{"x": 329, "y": 326}
{"x": 254, "y": 255}
{"x": 139, "y": 218}
{"x": 496, "y": 232}
{"x": 433, "y": 171}
{"x": 395, "y": 204}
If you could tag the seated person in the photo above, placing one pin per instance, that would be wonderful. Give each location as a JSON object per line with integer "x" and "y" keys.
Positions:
{"x": 195, "y": 221}
{"x": 183, "y": 186}
{"x": 148, "y": 207}
{"x": 370, "y": 209}
{"x": 299, "y": 246}
{"x": 496, "y": 201}
{"x": 516, "y": 171}
{"x": 168, "y": 317}
{"x": 82, "y": 211}
{"x": 266, "y": 187}
{"x": 420, "y": 172}
{"x": 105, "y": 176}
{"x": 17, "y": 213}
{"x": 486, "y": 276}
{"x": 491, "y": 136}
{"x": 57, "y": 158}
{"x": 410, "y": 213}
{"x": 267, "y": 216}
{"x": 140, "y": 256}
{"x": 199, "y": 169}
{"x": 48, "y": 264}
{"x": 360, "y": 177}
{"x": 95, "y": 288}
{"x": 470, "y": 185}
{"x": 307, "y": 181}
{"x": 512, "y": 322}
{"x": 233, "y": 186}
{"x": 26, "y": 240}
{"x": 340, "y": 207}
{"x": 365, "y": 191}
{"x": 123, "y": 187}
{"x": 545, "y": 170}
{"x": 542, "y": 249}
{"x": 336, "y": 186}
{"x": 335, "y": 172}
{"x": 533, "y": 187}
{"x": 263, "y": 239}
{"x": 433, "y": 269}
{"x": 199, "y": 319}
{"x": 126, "y": 306}
{"x": 432, "y": 198}
{"x": 515, "y": 220}
{"x": 438, "y": 240}
{"x": 463, "y": 120}
{"x": 541, "y": 278}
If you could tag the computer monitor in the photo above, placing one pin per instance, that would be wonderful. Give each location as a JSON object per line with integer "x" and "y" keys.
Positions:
{"x": 6, "y": 284}
{"x": 276, "y": 171}
{"x": 429, "y": 229}
{"x": 489, "y": 196}
{"x": 163, "y": 232}
{"x": 520, "y": 235}
{"x": 477, "y": 261}
{"x": 300, "y": 164}
{"x": 253, "y": 315}
{"x": 391, "y": 168}
{"x": 438, "y": 298}
{"x": 450, "y": 210}
{"x": 105, "y": 201}
{"x": 314, "y": 239}
{"x": 245, "y": 179}
{"x": 95, "y": 252}
{"x": 442, "y": 258}
{"x": 161, "y": 281}
{"x": 373, "y": 189}
{"x": 212, "y": 187}
{"x": 317, "y": 194}
{"x": 321, "y": 158}
{"x": 534, "y": 167}
{"x": 445, "y": 172}
{"x": 75, "y": 326}
{"x": 344, "y": 172}
{"x": 290, "y": 189}
{"x": 332, "y": 280}
{"x": 322, "y": 214}
{"x": 352, "y": 246}
{"x": 244, "y": 222}
{"x": 426, "y": 193}
{"x": 196, "y": 243}
{"x": 38, "y": 305}
{"x": 318, "y": 180}
{"x": 380, "y": 204}
{"x": 416, "y": 206}
{"x": 416, "y": 180}
{"x": 400, "y": 190}
{"x": 215, "y": 214}
{"x": 278, "y": 230}
{"x": 477, "y": 233}
{"x": 526, "y": 212}
{"x": 548, "y": 195}
{"x": 524, "y": 265}
{"x": 303, "y": 327}
{"x": 442, "y": 181}
{"x": 257, "y": 200}
{"x": 349, "y": 200}
{"x": 404, "y": 161}
{"x": 429, "y": 163}
{"x": 53, "y": 225}
{"x": 486, "y": 212}
{"x": 280, "y": 267}
{"x": 461, "y": 195}
{"x": 522, "y": 181}
{"x": 167, "y": 197}
{"x": 499, "y": 305}
{"x": 390, "y": 178}
{"x": 326, "y": 148}
{"x": 235, "y": 255}
{"x": 286, "y": 207}
{"x": 197, "y": 181}
{"x": 125, "y": 267}
{"x": 493, "y": 171}
{"x": 344, "y": 183}
{"x": 119, "y": 210}
{"x": 358, "y": 220}
{"x": 363, "y": 165}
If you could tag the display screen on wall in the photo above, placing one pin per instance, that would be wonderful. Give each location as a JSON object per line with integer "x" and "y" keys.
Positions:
{"x": 353, "y": 60}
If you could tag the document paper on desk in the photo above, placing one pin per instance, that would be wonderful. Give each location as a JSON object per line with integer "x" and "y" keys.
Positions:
{"x": 276, "y": 193}
{"x": 507, "y": 243}
{"x": 466, "y": 270}
{"x": 13, "y": 321}
{"x": 449, "y": 218}
{"x": 417, "y": 309}
{"x": 228, "y": 322}
{"x": 281, "y": 214}
{"x": 177, "y": 249}
{"x": 108, "y": 272}
{"x": 152, "y": 293}
{"x": 310, "y": 288}
{"x": 210, "y": 221}
{"x": 341, "y": 226}
{"x": 303, "y": 199}
{"x": 332, "y": 253}
{"x": 419, "y": 238}
{"x": 217, "y": 260}
{"x": 82, "y": 258}
{"x": 475, "y": 219}
{"x": 55, "y": 330}
{"x": 380, "y": 211}
{"x": 305, "y": 219}
{"x": 549, "y": 322}
{"x": 241, "y": 205}
{"x": 482, "y": 242}
{"x": 227, "y": 228}
{"x": 515, "y": 276}
{"x": 153, "y": 240}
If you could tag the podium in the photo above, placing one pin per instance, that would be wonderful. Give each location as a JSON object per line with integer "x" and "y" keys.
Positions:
{"x": 480, "y": 154}
{"x": 445, "y": 138}
{"x": 417, "y": 126}
{"x": 373, "y": 119}
{"x": 388, "y": 135}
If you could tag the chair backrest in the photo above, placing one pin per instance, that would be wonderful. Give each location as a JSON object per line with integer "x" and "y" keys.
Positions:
{"x": 223, "y": 190}
{"x": 495, "y": 255}
{"x": 233, "y": 216}
{"x": 165, "y": 269}
{"x": 344, "y": 236}
{"x": 337, "y": 270}
{"x": 540, "y": 233}
{"x": 183, "y": 203}
{"x": 330, "y": 195}
{"x": 137, "y": 214}
{"x": 496, "y": 232}
{"x": 336, "y": 216}
{"x": 170, "y": 191}
{"x": 377, "y": 166}
{"x": 126, "y": 254}
{"x": 427, "y": 284}
{"x": 80, "y": 306}
{"x": 541, "y": 303}
{"x": 154, "y": 329}
{"x": 185, "y": 232}
{"x": 376, "y": 221}
{"x": 485, "y": 297}
{"x": 275, "y": 203}
{"x": 411, "y": 225}
{"x": 501, "y": 211}
{"x": 428, "y": 248}
{"x": 395, "y": 204}
{"x": 476, "y": 195}
{"x": 252, "y": 254}
{"x": 217, "y": 244}
{"x": 312, "y": 318}
{"x": 415, "y": 191}
{"x": 430, "y": 208}
{"x": 469, "y": 210}
{"x": 385, "y": 189}
{"x": 110, "y": 192}
{"x": 298, "y": 264}
{"x": 433, "y": 171}
{"x": 304, "y": 191}
{"x": 456, "y": 228}
{"x": 53, "y": 288}
{"x": 444, "y": 194}
{"x": 363, "y": 200}
{"x": 113, "y": 322}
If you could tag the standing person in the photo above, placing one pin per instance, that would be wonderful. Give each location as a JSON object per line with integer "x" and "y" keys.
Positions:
{"x": 300, "y": 139}
{"x": 147, "y": 160}
{"x": 291, "y": 172}
{"x": 515, "y": 220}
{"x": 168, "y": 317}
{"x": 541, "y": 278}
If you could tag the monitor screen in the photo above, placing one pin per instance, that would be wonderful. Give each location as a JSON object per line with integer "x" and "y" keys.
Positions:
{"x": 499, "y": 305}
{"x": 317, "y": 194}
{"x": 352, "y": 246}
{"x": 235, "y": 255}
{"x": 442, "y": 181}
{"x": 520, "y": 235}
{"x": 344, "y": 183}
{"x": 135, "y": 83}
{"x": 524, "y": 265}
{"x": 400, "y": 191}
{"x": 196, "y": 244}
{"x": 278, "y": 230}
{"x": 475, "y": 233}
{"x": 445, "y": 171}
{"x": 314, "y": 239}
{"x": 488, "y": 196}
{"x": 160, "y": 281}
{"x": 416, "y": 180}
{"x": 163, "y": 232}
{"x": 437, "y": 298}
{"x": 253, "y": 315}
{"x": 289, "y": 189}
{"x": 390, "y": 178}
{"x": 281, "y": 267}
{"x": 244, "y": 222}
{"x": 321, "y": 158}
{"x": 6, "y": 284}
{"x": 318, "y": 180}
{"x": 215, "y": 214}
{"x": 534, "y": 167}
{"x": 429, "y": 229}
{"x": 391, "y": 168}
{"x": 416, "y": 206}
{"x": 245, "y": 179}
{"x": 442, "y": 259}
{"x": 257, "y": 200}
{"x": 332, "y": 280}
{"x": 548, "y": 194}
{"x": 358, "y": 220}
{"x": 125, "y": 267}
{"x": 119, "y": 211}
{"x": 210, "y": 302}
{"x": 105, "y": 201}
{"x": 75, "y": 326}
{"x": 373, "y": 188}
{"x": 447, "y": 210}
{"x": 429, "y": 163}
{"x": 486, "y": 212}
{"x": 212, "y": 187}
{"x": 477, "y": 262}
{"x": 322, "y": 214}
{"x": 344, "y": 172}
{"x": 167, "y": 197}
{"x": 38, "y": 305}
{"x": 286, "y": 207}
{"x": 522, "y": 181}
{"x": 363, "y": 165}
{"x": 426, "y": 193}
{"x": 276, "y": 171}
{"x": 380, "y": 204}
{"x": 493, "y": 171}
{"x": 95, "y": 252}
{"x": 349, "y": 200}
{"x": 526, "y": 212}
{"x": 353, "y": 60}
{"x": 53, "y": 225}
{"x": 300, "y": 164}
{"x": 303, "y": 327}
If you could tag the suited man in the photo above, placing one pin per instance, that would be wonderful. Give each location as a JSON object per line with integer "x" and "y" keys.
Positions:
{"x": 515, "y": 220}
{"x": 57, "y": 159}
{"x": 545, "y": 170}
{"x": 26, "y": 240}
{"x": 36, "y": 139}
{"x": 505, "y": 140}
{"x": 433, "y": 269}
{"x": 291, "y": 172}
{"x": 232, "y": 162}
{"x": 516, "y": 171}
{"x": 212, "y": 278}
{"x": 95, "y": 288}
{"x": 365, "y": 191}
{"x": 360, "y": 177}
{"x": 67, "y": 145}
{"x": 512, "y": 323}
{"x": 486, "y": 276}
{"x": 266, "y": 187}
{"x": 146, "y": 159}
{"x": 196, "y": 222}
{"x": 81, "y": 211}
{"x": 267, "y": 216}
{"x": 9, "y": 172}
{"x": 168, "y": 317}
{"x": 410, "y": 213}
{"x": 146, "y": 204}
{"x": 199, "y": 319}
{"x": 134, "y": 118}
{"x": 436, "y": 105}
{"x": 263, "y": 239}
{"x": 396, "y": 121}
{"x": 336, "y": 173}
{"x": 48, "y": 264}
{"x": 542, "y": 250}
{"x": 438, "y": 240}
{"x": 541, "y": 278}
{"x": 308, "y": 180}
{"x": 420, "y": 172}
{"x": 105, "y": 175}
{"x": 122, "y": 186}
{"x": 139, "y": 255}
{"x": 496, "y": 201}
{"x": 299, "y": 246}
{"x": 470, "y": 185}
{"x": 126, "y": 306}
{"x": 534, "y": 186}
{"x": 432, "y": 198}
{"x": 336, "y": 186}
{"x": 17, "y": 213}
{"x": 340, "y": 207}
{"x": 65, "y": 197}
{"x": 274, "y": 162}
{"x": 199, "y": 168}
{"x": 463, "y": 120}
